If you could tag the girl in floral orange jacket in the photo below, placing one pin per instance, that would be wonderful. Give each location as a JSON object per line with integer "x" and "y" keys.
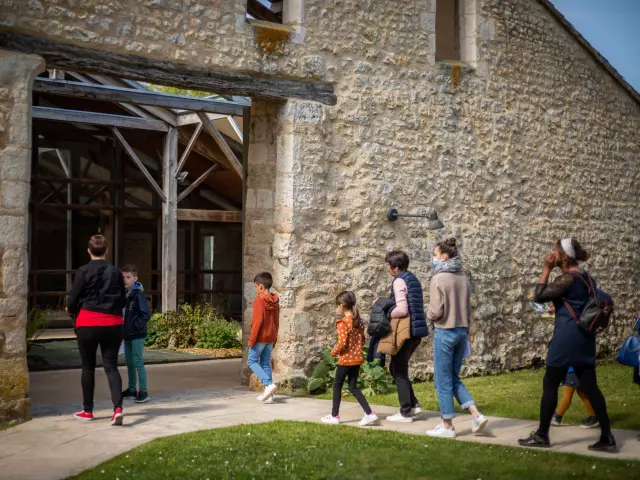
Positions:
{"x": 350, "y": 330}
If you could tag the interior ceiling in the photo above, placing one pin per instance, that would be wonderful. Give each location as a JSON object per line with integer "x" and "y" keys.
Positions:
{"x": 223, "y": 182}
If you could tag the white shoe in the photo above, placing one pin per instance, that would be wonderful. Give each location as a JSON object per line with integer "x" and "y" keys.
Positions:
{"x": 478, "y": 424}
{"x": 330, "y": 420}
{"x": 442, "y": 432}
{"x": 416, "y": 410}
{"x": 269, "y": 391}
{"x": 371, "y": 419}
{"x": 271, "y": 399}
{"x": 399, "y": 418}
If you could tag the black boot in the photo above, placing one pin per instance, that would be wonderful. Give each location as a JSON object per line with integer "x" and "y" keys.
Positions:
{"x": 606, "y": 444}
{"x": 535, "y": 440}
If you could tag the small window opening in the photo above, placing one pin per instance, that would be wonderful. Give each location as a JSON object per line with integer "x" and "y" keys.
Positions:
{"x": 265, "y": 10}
{"x": 447, "y": 30}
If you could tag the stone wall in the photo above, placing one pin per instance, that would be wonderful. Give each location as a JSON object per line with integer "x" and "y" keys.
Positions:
{"x": 16, "y": 77}
{"x": 531, "y": 141}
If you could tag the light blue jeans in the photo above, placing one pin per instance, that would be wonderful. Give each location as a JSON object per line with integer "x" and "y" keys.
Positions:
{"x": 260, "y": 362}
{"x": 448, "y": 350}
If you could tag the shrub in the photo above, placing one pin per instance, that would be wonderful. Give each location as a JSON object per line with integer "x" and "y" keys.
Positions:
{"x": 373, "y": 378}
{"x": 185, "y": 327}
{"x": 218, "y": 333}
{"x": 37, "y": 322}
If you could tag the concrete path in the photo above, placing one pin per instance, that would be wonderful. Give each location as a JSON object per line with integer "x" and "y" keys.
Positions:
{"x": 56, "y": 446}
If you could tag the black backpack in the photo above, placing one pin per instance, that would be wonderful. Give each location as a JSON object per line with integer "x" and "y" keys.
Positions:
{"x": 597, "y": 310}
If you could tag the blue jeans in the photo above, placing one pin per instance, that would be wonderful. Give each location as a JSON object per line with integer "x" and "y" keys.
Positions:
{"x": 260, "y": 362}
{"x": 448, "y": 349}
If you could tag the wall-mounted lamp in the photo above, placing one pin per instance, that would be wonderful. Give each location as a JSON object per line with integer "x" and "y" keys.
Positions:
{"x": 434, "y": 222}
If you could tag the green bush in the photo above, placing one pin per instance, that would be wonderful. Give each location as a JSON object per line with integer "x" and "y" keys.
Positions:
{"x": 191, "y": 326}
{"x": 373, "y": 378}
{"x": 218, "y": 333}
{"x": 37, "y": 322}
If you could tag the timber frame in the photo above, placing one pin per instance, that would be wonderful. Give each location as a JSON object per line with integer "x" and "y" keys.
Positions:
{"x": 143, "y": 110}
{"x": 82, "y": 59}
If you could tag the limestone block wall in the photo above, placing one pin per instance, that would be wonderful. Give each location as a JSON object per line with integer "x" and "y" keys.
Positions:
{"x": 529, "y": 140}
{"x": 16, "y": 77}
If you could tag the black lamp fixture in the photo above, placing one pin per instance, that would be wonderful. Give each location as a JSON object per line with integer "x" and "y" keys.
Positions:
{"x": 434, "y": 223}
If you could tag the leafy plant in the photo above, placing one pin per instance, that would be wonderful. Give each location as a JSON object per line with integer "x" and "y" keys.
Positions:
{"x": 373, "y": 378}
{"x": 218, "y": 333}
{"x": 37, "y": 322}
{"x": 191, "y": 326}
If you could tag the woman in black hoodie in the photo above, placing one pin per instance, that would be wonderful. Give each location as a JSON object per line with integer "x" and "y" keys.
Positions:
{"x": 96, "y": 301}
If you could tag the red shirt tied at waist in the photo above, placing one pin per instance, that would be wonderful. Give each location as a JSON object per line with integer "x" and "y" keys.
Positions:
{"x": 87, "y": 318}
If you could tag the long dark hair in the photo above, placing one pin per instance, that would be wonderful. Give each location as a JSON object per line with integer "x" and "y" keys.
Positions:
{"x": 348, "y": 300}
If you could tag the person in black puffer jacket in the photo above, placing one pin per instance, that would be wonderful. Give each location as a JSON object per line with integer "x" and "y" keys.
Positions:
{"x": 379, "y": 326}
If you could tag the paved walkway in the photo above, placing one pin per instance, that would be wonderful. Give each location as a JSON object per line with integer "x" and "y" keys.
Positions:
{"x": 56, "y": 446}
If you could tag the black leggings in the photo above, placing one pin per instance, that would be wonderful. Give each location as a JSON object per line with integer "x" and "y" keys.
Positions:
{"x": 342, "y": 373}
{"x": 109, "y": 339}
{"x": 587, "y": 375}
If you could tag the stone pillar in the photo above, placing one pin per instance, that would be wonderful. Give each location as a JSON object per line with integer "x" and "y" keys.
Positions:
{"x": 258, "y": 207}
{"x": 17, "y": 72}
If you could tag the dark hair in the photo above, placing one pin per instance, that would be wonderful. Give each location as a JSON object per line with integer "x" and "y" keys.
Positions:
{"x": 98, "y": 246}
{"x": 397, "y": 259}
{"x": 348, "y": 300}
{"x": 131, "y": 268}
{"x": 449, "y": 246}
{"x": 564, "y": 261}
{"x": 265, "y": 279}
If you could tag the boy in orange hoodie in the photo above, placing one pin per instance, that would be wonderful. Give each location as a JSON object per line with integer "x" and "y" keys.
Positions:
{"x": 264, "y": 333}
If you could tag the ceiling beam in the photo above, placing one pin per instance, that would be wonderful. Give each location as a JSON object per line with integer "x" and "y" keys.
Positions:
{"x": 93, "y": 118}
{"x": 109, "y": 93}
{"x": 224, "y": 146}
{"x": 197, "y": 182}
{"x": 209, "y": 216}
{"x": 164, "y": 72}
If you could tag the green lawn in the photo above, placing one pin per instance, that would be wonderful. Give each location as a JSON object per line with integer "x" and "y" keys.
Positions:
{"x": 289, "y": 450}
{"x": 517, "y": 395}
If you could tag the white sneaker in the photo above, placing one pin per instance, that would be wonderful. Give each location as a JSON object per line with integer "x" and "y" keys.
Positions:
{"x": 330, "y": 420}
{"x": 478, "y": 424}
{"x": 442, "y": 432}
{"x": 371, "y": 419}
{"x": 269, "y": 391}
{"x": 399, "y": 418}
{"x": 416, "y": 410}
{"x": 271, "y": 399}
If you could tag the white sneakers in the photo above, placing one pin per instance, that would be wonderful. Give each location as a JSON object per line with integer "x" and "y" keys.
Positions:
{"x": 366, "y": 420}
{"x": 399, "y": 418}
{"x": 371, "y": 419}
{"x": 416, "y": 410}
{"x": 330, "y": 420}
{"x": 478, "y": 424}
{"x": 442, "y": 432}
{"x": 268, "y": 392}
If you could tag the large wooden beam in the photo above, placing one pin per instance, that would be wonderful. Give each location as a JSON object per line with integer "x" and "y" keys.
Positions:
{"x": 205, "y": 149}
{"x": 93, "y": 118}
{"x": 139, "y": 164}
{"x": 224, "y": 146}
{"x": 209, "y": 216}
{"x": 129, "y": 95}
{"x": 197, "y": 182}
{"x": 170, "y": 222}
{"x": 190, "y": 145}
{"x": 163, "y": 72}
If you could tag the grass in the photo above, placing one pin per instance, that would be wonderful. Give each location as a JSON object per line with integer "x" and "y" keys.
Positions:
{"x": 290, "y": 450}
{"x": 517, "y": 395}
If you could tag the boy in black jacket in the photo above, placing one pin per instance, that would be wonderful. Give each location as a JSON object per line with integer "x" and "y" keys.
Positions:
{"x": 136, "y": 316}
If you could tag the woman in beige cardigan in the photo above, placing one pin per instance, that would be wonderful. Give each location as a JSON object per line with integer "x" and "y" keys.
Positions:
{"x": 450, "y": 311}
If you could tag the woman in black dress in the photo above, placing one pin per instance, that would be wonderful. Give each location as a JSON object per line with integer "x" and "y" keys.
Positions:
{"x": 569, "y": 346}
